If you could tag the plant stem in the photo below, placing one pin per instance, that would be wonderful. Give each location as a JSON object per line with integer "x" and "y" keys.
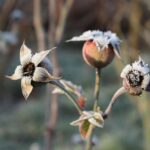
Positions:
{"x": 89, "y": 140}
{"x": 97, "y": 87}
{"x": 70, "y": 97}
{"x": 96, "y": 95}
{"x": 113, "y": 100}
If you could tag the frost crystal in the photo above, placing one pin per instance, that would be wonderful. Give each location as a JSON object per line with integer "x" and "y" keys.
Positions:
{"x": 102, "y": 39}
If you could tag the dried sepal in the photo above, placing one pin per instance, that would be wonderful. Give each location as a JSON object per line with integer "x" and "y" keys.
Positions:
{"x": 39, "y": 57}
{"x": 26, "y": 86}
{"x": 25, "y": 54}
{"x": 88, "y": 119}
{"x": 17, "y": 74}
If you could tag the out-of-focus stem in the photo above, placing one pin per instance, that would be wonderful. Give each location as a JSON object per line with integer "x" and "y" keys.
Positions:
{"x": 62, "y": 21}
{"x": 56, "y": 30}
{"x": 96, "y": 95}
{"x": 37, "y": 21}
{"x": 6, "y": 10}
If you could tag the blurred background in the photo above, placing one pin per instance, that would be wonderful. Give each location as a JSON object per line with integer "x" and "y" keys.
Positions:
{"x": 42, "y": 122}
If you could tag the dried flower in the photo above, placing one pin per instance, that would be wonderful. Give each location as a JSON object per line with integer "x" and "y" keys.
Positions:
{"x": 31, "y": 70}
{"x": 136, "y": 77}
{"x": 88, "y": 119}
{"x": 99, "y": 47}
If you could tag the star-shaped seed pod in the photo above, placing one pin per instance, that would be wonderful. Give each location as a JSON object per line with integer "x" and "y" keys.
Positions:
{"x": 99, "y": 48}
{"x": 87, "y": 120}
{"x": 31, "y": 69}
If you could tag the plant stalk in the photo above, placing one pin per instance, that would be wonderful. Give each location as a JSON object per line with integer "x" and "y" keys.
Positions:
{"x": 96, "y": 95}
{"x": 113, "y": 100}
{"x": 97, "y": 87}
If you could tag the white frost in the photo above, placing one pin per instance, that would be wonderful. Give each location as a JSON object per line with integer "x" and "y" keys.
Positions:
{"x": 102, "y": 39}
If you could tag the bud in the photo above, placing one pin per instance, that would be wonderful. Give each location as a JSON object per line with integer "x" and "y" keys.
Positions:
{"x": 96, "y": 58}
{"x": 99, "y": 48}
